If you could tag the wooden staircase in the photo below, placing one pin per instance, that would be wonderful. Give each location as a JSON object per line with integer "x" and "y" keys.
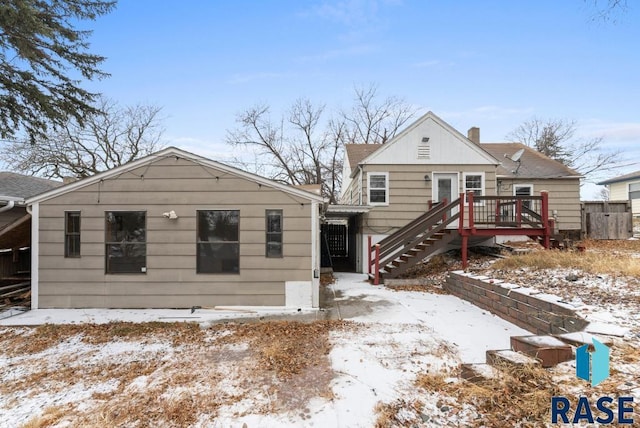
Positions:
{"x": 414, "y": 242}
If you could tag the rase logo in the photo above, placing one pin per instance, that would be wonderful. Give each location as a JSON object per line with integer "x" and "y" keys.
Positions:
{"x": 592, "y": 367}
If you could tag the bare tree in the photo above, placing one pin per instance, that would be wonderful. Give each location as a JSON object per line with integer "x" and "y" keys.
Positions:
{"x": 295, "y": 149}
{"x": 107, "y": 139}
{"x": 604, "y": 194}
{"x": 555, "y": 138}
{"x": 374, "y": 122}
{"x": 608, "y": 10}
{"x": 305, "y": 145}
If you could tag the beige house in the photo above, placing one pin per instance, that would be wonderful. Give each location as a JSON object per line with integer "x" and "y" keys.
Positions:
{"x": 625, "y": 188}
{"x": 386, "y": 186}
{"x": 175, "y": 230}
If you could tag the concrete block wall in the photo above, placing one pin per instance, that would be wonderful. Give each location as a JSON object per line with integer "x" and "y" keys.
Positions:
{"x": 527, "y": 308}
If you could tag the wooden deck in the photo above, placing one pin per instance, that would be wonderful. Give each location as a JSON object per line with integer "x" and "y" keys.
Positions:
{"x": 474, "y": 216}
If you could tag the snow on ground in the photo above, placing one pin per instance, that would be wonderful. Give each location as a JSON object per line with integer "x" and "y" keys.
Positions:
{"x": 396, "y": 335}
{"x": 405, "y": 334}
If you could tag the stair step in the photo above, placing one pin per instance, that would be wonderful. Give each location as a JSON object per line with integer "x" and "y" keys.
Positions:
{"x": 508, "y": 358}
{"x": 477, "y": 372}
{"x": 548, "y": 349}
{"x": 580, "y": 338}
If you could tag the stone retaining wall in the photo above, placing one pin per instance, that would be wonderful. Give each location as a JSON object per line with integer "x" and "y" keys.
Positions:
{"x": 537, "y": 312}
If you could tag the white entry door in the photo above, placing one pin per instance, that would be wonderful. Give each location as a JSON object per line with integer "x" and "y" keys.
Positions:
{"x": 445, "y": 186}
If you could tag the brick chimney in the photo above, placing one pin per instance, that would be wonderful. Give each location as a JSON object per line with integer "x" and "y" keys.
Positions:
{"x": 474, "y": 134}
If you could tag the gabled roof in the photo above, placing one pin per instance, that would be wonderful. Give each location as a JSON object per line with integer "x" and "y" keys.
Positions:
{"x": 357, "y": 152}
{"x": 372, "y": 153}
{"x": 20, "y": 186}
{"x": 168, "y": 152}
{"x": 533, "y": 164}
{"x": 620, "y": 178}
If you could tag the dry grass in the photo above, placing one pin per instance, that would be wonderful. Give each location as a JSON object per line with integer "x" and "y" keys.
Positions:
{"x": 177, "y": 386}
{"x": 518, "y": 395}
{"x": 38, "y": 339}
{"x": 595, "y": 262}
{"x": 50, "y": 416}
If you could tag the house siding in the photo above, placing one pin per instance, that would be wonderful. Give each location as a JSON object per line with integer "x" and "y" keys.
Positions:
{"x": 564, "y": 198}
{"x": 619, "y": 191}
{"x": 409, "y": 194}
{"x": 171, "y": 280}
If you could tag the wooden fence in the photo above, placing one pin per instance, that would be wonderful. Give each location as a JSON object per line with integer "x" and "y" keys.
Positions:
{"x": 607, "y": 220}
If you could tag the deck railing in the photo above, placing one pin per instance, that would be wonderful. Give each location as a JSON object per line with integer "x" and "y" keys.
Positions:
{"x": 420, "y": 229}
{"x": 507, "y": 211}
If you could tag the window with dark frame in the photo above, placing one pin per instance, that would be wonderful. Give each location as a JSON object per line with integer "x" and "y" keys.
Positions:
{"x": 126, "y": 242}
{"x": 218, "y": 241}
{"x": 273, "y": 233}
{"x": 72, "y": 234}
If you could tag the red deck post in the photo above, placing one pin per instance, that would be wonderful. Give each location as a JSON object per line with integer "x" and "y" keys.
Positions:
{"x": 461, "y": 218}
{"x": 369, "y": 252}
{"x": 471, "y": 219}
{"x": 376, "y": 279}
{"x": 519, "y": 212}
{"x": 545, "y": 219}
{"x": 430, "y": 204}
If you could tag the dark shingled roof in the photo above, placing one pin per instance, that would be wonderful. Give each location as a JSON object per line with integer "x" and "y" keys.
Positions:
{"x": 357, "y": 152}
{"x": 620, "y": 178}
{"x": 24, "y": 186}
{"x": 533, "y": 164}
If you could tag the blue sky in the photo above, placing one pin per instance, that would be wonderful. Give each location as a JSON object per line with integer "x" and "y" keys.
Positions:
{"x": 491, "y": 64}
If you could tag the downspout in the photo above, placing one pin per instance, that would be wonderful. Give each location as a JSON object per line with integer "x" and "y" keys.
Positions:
{"x": 11, "y": 202}
{"x": 10, "y": 205}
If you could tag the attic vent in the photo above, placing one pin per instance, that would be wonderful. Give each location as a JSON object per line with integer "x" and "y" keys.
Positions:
{"x": 424, "y": 151}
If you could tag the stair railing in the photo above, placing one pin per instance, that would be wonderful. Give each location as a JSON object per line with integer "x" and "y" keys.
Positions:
{"x": 420, "y": 229}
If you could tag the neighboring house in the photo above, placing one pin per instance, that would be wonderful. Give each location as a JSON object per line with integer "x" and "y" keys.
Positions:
{"x": 175, "y": 230}
{"x": 15, "y": 222}
{"x": 386, "y": 186}
{"x": 625, "y": 188}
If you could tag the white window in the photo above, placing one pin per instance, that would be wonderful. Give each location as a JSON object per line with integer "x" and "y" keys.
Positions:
{"x": 378, "y": 184}
{"x": 474, "y": 182}
{"x": 523, "y": 190}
